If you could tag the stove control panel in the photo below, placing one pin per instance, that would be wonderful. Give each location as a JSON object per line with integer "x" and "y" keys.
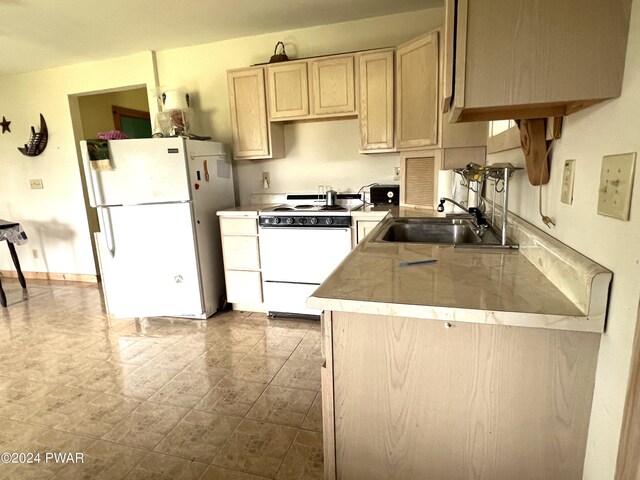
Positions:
{"x": 305, "y": 221}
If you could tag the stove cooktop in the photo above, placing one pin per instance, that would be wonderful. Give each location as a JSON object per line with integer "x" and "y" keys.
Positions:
{"x": 313, "y": 204}
{"x": 311, "y": 211}
{"x": 302, "y": 209}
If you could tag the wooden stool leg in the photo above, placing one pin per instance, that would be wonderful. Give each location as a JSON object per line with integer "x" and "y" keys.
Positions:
{"x": 3, "y": 297}
{"x": 16, "y": 262}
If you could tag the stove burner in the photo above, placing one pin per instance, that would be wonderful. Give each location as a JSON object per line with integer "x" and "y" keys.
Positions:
{"x": 304, "y": 207}
{"x": 283, "y": 209}
{"x": 332, "y": 207}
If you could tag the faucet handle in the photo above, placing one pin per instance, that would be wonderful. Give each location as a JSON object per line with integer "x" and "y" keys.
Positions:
{"x": 440, "y": 207}
{"x": 480, "y": 220}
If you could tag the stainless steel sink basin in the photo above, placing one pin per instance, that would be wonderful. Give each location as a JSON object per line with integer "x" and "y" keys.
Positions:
{"x": 451, "y": 231}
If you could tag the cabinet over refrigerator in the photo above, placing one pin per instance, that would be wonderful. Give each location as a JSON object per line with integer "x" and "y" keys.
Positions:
{"x": 159, "y": 241}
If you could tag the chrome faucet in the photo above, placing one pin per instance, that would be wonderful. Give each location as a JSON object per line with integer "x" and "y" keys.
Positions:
{"x": 480, "y": 220}
{"x": 445, "y": 199}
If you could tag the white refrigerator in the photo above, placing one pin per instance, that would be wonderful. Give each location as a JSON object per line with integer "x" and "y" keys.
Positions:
{"x": 159, "y": 242}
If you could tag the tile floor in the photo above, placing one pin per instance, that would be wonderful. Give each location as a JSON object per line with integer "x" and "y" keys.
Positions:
{"x": 236, "y": 397}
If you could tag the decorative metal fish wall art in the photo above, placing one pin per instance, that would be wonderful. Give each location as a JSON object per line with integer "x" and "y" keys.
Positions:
{"x": 37, "y": 141}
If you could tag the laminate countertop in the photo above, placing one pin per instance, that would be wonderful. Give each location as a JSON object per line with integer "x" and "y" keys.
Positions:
{"x": 545, "y": 284}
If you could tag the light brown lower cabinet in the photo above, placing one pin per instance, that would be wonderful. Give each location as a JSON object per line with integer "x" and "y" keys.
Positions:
{"x": 241, "y": 255}
{"x": 417, "y": 399}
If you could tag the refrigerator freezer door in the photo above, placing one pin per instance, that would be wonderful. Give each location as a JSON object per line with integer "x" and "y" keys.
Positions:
{"x": 149, "y": 170}
{"x": 148, "y": 261}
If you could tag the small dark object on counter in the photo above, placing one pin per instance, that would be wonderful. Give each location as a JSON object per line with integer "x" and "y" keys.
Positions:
{"x": 418, "y": 262}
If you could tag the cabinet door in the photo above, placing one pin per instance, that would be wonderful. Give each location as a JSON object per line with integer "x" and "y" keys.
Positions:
{"x": 416, "y": 400}
{"x": 364, "y": 227}
{"x": 243, "y": 286}
{"x": 238, "y": 226}
{"x": 419, "y": 178}
{"x": 449, "y": 43}
{"x": 333, "y": 86}
{"x": 288, "y": 90}
{"x": 522, "y": 59}
{"x": 376, "y": 100}
{"x": 240, "y": 252}
{"x": 417, "y": 92}
{"x": 248, "y": 113}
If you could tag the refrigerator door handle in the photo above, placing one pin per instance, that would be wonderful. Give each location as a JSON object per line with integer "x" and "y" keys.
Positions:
{"x": 108, "y": 233}
{"x": 88, "y": 175}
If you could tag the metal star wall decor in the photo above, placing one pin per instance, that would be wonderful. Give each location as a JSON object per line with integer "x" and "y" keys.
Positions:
{"x": 5, "y": 125}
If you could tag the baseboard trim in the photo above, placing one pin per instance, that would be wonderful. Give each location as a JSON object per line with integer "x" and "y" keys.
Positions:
{"x": 64, "y": 277}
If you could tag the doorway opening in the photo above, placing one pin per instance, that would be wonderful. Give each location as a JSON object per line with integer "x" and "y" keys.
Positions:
{"x": 125, "y": 109}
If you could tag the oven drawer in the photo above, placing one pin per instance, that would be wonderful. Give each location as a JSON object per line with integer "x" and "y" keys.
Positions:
{"x": 289, "y": 297}
{"x": 302, "y": 255}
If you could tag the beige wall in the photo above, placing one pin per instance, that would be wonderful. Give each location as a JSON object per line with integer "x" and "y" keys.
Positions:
{"x": 55, "y": 217}
{"x": 96, "y": 109}
{"x": 609, "y": 128}
{"x": 317, "y": 152}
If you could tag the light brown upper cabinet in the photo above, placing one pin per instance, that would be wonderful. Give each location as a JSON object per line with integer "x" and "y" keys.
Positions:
{"x": 288, "y": 90}
{"x": 523, "y": 59}
{"x": 376, "y": 100}
{"x": 253, "y": 135}
{"x": 333, "y": 86}
{"x": 417, "y": 92}
{"x": 420, "y": 124}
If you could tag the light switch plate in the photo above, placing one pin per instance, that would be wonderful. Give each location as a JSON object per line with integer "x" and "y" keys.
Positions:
{"x": 566, "y": 196}
{"x": 616, "y": 185}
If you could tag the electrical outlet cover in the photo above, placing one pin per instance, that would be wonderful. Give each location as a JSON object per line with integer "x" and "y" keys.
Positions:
{"x": 566, "y": 195}
{"x": 616, "y": 185}
{"x": 36, "y": 183}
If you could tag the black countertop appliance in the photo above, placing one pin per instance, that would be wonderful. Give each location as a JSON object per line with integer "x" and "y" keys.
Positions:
{"x": 385, "y": 194}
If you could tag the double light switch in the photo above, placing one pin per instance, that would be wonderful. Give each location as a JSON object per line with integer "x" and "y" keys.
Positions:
{"x": 616, "y": 184}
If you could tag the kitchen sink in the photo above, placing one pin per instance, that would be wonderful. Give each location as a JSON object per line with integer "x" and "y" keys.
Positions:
{"x": 451, "y": 231}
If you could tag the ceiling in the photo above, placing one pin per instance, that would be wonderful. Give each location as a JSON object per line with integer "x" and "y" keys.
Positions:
{"x": 40, "y": 34}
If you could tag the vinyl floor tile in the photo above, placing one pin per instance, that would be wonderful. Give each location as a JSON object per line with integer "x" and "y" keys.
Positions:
{"x": 146, "y": 426}
{"x": 295, "y": 374}
{"x": 101, "y": 414}
{"x": 284, "y": 406}
{"x": 156, "y": 466}
{"x": 305, "y": 459}
{"x": 231, "y": 397}
{"x": 257, "y": 369}
{"x": 103, "y": 461}
{"x": 199, "y": 436}
{"x": 218, "y": 473}
{"x": 256, "y": 447}
{"x": 186, "y": 389}
{"x": 143, "y": 382}
{"x": 272, "y": 345}
{"x": 313, "y": 420}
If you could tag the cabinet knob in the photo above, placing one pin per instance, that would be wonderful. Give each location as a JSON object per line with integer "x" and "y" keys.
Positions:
{"x": 447, "y": 325}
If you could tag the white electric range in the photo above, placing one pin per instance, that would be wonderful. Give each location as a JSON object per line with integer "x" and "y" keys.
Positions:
{"x": 301, "y": 243}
